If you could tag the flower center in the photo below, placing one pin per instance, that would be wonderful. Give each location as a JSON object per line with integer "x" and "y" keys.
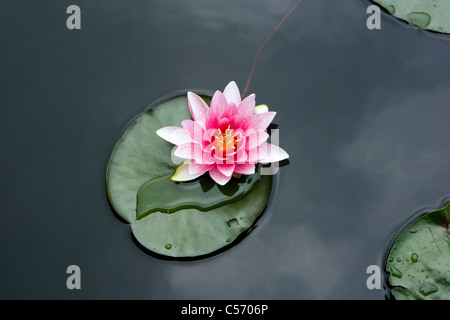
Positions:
{"x": 224, "y": 142}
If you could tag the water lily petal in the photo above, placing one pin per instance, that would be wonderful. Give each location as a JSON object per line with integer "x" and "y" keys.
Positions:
{"x": 241, "y": 122}
{"x": 209, "y": 149}
{"x": 247, "y": 106}
{"x": 262, "y": 120}
{"x": 182, "y": 173}
{"x": 271, "y": 153}
{"x": 241, "y": 156}
{"x": 221, "y": 157}
{"x": 248, "y": 168}
{"x": 195, "y": 168}
{"x": 218, "y": 176}
{"x": 253, "y": 155}
{"x": 226, "y": 169}
{"x": 232, "y": 94}
{"x": 255, "y": 138}
{"x": 218, "y": 105}
{"x": 194, "y": 129}
{"x": 189, "y": 150}
{"x": 230, "y": 111}
{"x": 208, "y": 137}
{"x": 174, "y": 135}
{"x": 197, "y": 106}
{"x": 207, "y": 158}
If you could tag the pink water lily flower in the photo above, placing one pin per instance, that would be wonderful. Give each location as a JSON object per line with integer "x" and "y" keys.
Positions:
{"x": 225, "y": 139}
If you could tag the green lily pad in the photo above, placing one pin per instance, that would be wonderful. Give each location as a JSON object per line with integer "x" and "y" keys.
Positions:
{"x": 430, "y": 14}
{"x": 141, "y": 158}
{"x": 140, "y": 154}
{"x": 419, "y": 261}
{"x": 191, "y": 232}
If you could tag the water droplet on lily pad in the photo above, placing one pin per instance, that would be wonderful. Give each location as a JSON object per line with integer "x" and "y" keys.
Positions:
{"x": 414, "y": 257}
{"x": 168, "y": 246}
{"x": 395, "y": 272}
{"x": 419, "y": 19}
{"x": 427, "y": 288}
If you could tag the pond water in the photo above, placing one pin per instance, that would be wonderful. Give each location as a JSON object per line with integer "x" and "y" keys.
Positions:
{"x": 362, "y": 113}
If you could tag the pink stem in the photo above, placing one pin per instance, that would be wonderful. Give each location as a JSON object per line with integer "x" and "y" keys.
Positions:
{"x": 264, "y": 43}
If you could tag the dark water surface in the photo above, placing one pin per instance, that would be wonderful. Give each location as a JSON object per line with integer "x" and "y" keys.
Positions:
{"x": 362, "y": 113}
